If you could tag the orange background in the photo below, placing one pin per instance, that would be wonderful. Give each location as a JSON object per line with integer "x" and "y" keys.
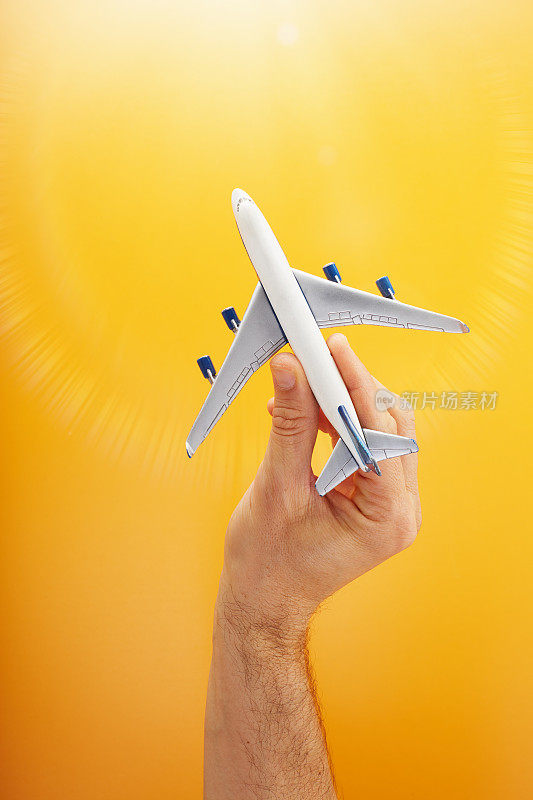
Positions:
{"x": 393, "y": 137}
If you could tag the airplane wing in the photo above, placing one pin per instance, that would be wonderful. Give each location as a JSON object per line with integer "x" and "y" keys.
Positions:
{"x": 258, "y": 337}
{"x": 341, "y": 464}
{"x": 334, "y": 304}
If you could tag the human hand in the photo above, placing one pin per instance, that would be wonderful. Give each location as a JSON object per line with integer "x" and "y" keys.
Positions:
{"x": 287, "y": 548}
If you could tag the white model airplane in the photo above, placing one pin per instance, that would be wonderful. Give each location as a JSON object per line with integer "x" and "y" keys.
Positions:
{"x": 291, "y": 306}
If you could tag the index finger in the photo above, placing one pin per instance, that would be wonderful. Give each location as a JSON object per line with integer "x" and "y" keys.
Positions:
{"x": 360, "y": 384}
{"x": 362, "y": 390}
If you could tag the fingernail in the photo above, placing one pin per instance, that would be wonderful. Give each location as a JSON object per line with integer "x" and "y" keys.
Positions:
{"x": 283, "y": 378}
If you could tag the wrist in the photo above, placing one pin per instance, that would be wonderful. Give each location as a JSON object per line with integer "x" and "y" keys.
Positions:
{"x": 273, "y": 624}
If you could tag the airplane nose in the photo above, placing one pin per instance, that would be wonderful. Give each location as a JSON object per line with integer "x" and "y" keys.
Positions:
{"x": 238, "y": 196}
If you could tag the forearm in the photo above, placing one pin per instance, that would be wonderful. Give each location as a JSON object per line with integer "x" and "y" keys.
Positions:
{"x": 263, "y": 733}
{"x": 287, "y": 549}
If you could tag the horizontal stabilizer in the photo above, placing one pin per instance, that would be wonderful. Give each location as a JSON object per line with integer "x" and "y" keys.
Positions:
{"x": 341, "y": 463}
{"x": 389, "y": 445}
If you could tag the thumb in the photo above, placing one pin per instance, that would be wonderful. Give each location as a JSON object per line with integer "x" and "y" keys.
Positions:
{"x": 294, "y": 419}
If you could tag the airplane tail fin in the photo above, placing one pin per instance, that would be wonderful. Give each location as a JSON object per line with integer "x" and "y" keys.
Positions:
{"x": 341, "y": 464}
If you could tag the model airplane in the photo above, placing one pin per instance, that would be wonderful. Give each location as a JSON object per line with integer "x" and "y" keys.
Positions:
{"x": 291, "y": 306}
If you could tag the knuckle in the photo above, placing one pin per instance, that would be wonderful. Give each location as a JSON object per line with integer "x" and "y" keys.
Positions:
{"x": 408, "y": 417}
{"x": 409, "y": 414}
{"x": 401, "y": 529}
{"x": 405, "y": 527}
{"x": 388, "y": 424}
{"x": 288, "y": 420}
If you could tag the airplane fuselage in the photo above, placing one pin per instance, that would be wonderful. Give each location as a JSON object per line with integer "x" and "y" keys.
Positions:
{"x": 299, "y": 325}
